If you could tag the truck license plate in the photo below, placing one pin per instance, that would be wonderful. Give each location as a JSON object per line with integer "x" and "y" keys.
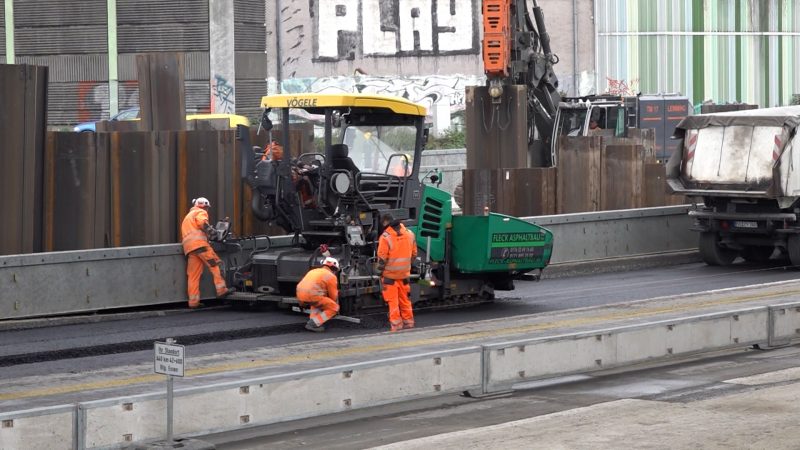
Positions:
{"x": 745, "y": 224}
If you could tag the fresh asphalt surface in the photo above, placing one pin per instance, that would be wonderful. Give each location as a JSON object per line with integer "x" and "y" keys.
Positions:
{"x": 68, "y": 348}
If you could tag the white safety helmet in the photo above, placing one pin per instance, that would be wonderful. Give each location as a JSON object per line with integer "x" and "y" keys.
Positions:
{"x": 201, "y": 202}
{"x": 331, "y": 262}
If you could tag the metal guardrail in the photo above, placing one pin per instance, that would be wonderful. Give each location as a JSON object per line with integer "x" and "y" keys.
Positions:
{"x": 45, "y": 284}
{"x": 480, "y": 368}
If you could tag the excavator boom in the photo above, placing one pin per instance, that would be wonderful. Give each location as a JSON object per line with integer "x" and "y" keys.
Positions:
{"x": 516, "y": 51}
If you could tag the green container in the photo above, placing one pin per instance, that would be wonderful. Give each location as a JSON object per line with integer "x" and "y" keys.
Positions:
{"x": 499, "y": 243}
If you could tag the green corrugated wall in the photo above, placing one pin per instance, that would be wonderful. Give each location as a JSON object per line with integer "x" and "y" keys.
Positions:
{"x": 720, "y": 50}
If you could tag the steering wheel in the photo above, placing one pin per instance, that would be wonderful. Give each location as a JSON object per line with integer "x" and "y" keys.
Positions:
{"x": 310, "y": 161}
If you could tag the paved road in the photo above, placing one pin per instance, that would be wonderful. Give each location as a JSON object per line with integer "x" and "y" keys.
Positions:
{"x": 68, "y": 348}
{"x": 731, "y": 401}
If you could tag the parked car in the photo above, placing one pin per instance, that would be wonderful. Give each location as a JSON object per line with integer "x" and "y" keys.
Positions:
{"x": 133, "y": 114}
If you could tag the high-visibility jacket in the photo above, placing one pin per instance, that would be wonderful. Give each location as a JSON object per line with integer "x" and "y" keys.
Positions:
{"x": 397, "y": 246}
{"x": 193, "y": 233}
{"x": 319, "y": 282}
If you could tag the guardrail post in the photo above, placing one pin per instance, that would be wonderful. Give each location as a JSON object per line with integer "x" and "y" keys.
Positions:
{"x": 484, "y": 370}
{"x": 80, "y": 427}
{"x": 770, "y": 326}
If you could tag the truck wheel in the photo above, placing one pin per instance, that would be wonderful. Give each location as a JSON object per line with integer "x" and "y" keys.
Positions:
{"x": 793, "y": 249}
{"x": 757, "y": 254}
{"x": 714, "y": 255}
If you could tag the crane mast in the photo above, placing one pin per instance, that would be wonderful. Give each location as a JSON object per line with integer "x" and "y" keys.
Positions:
{"x": 516, "y": 51}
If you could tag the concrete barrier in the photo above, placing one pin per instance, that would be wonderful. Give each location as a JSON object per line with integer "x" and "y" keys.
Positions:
{"x": 40, "y": 428}
{"x": 784, "y": 323}
{"x": 480, "y": 368}
{"x": 280, "y": 398}
{"x": 45, "y": 284}
{"x": 619, "y": 234}
{"x": 512, "y": 362}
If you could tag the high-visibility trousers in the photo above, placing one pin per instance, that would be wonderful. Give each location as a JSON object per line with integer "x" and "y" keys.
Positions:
{"x": 395, "y": 294}
{"x": 322, "y": 308}
{"x": 203, "y": 257}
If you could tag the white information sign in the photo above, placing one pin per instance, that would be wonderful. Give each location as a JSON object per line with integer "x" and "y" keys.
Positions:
{"x": 169, "y": 359}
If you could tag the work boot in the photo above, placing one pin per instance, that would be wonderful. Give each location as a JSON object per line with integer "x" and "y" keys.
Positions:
{"x": 197, "y": 306}
{"x": 227, "y": 292}
{"x": 311, "y": 326}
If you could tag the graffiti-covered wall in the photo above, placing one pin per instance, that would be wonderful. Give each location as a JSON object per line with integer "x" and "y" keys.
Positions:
{"x": 324, "y": 38}
{"x": 427, "y": 51}
{"x": 426, "y": 90}
{"x": 394, "y": 28}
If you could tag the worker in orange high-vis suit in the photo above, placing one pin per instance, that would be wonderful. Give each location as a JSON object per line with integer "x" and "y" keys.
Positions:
{"x": 397, "y": 247}
{"x": 319, "y": 289}
{"x": 195, "y": 231}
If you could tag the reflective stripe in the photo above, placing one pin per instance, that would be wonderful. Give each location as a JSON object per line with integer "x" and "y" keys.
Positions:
{"x": 398, "y": 263}
{"x": 195, "y": 235}
{"x": 388, "y": 239}
{"x": 315, "y": 291}
{"x": 314, "y": 316}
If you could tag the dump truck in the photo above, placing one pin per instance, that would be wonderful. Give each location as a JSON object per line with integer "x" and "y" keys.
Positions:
{"x": 742, "y": 169}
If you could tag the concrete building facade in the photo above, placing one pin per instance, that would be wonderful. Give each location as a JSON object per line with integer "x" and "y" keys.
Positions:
{"x": 425, "y": 50}
{"x": 90, "y": 47}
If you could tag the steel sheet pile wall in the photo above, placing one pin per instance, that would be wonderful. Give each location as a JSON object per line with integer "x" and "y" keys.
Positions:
{"x": 579, "y": 174}
{"x": 497, "y": 138}
{"x": 598, "y": 173}
{"x": 713, "y": 108}
{"x": 517, "y": 192}
{"x": 76, "y": 192}
{"x": 23, "y": 119}
{"x": 497, "y": 174}
{"x": 115, "y": 189}
{"x": 161, "y": 91}
{"x": 142, "y": 187}
{"x": 655, "y": 179}
{"x": 622, "y": 177}
{"x": 209, "y": 166}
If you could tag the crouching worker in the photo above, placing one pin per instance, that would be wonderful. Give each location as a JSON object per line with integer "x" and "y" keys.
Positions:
{"x": 195, "y": 231}
{"x": 319, "y": 289}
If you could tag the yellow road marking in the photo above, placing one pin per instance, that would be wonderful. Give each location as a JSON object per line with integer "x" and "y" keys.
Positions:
{"x": 329, "y": 354}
